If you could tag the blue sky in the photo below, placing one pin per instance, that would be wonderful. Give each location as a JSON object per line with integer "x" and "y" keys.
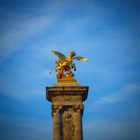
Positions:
{"x": 107, "y": 32}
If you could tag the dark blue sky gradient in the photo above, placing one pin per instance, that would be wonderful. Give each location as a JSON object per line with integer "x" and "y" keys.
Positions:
{"x": 107, "y": 32}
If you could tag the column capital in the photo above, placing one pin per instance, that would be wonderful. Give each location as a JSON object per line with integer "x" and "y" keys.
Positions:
{"x": 78, "y": 108}
{"x": 56, "y": 108}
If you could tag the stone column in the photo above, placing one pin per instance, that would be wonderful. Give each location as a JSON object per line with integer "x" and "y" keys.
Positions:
{"x": 78, "y": 122}
{"x": 67, "y": 109}
{"x": 56, "y": 122}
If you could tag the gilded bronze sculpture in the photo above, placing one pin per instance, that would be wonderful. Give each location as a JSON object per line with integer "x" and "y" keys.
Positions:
{"x": 64, "y": 65}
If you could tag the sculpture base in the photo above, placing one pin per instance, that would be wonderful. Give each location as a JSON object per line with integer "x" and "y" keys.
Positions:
{"x": 67, "y": 82}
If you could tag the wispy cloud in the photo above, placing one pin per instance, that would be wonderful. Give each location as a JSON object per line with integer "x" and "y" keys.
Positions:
{"x": 123, "y": 94}
{"x": 20, "y": 32}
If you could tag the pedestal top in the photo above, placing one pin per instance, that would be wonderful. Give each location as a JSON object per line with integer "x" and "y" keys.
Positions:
{"x": 67, "y": 90}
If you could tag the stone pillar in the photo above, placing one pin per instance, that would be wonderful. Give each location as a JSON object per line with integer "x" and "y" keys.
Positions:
{"x": 78, "y": 122}
{"x": 67, "y": 110}
{"x": 56, "y": 122}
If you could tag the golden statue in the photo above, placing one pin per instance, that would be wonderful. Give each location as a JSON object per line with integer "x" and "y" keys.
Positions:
{"x": 65, "y": 64}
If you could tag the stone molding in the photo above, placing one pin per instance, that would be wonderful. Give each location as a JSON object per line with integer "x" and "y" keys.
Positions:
{"x": 52, "y": 92}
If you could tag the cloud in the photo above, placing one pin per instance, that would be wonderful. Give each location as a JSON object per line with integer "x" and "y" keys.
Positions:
{"x": 19, "y": 33}
{"x": 123, "y": 94}
{"x": 18, "y": 29}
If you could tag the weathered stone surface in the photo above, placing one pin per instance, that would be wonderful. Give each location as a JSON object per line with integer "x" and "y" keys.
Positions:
{"x": 67, "y": 111}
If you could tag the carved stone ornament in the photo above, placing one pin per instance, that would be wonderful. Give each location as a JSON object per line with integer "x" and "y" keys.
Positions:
{"x": 68, "y": 126}
{"x": 67, "y": 98}
{"x": 78, "y": 108}
{"x": 56, "y": 108}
